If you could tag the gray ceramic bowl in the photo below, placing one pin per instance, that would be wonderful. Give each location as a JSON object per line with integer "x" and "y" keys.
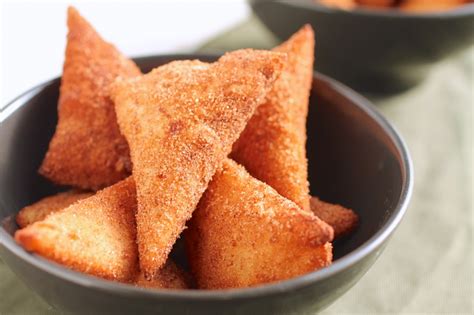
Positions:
{"x": 373, "y": 50}
{"x": 356, "y": 158}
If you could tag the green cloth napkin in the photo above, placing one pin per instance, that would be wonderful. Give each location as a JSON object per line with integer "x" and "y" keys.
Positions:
{"x": 427, "y": 266}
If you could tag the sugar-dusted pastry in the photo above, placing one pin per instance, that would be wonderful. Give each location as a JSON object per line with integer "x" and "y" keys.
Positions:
{"x": 341, "y": 219}
{"x": 272, "y": 146}
{"x": 170, "y": 276}
{"x": 42, "y": 208}
{"x": 244, "y": 233}
{"x": 180, "y": 121}
{"x": 87, "y": 149}
{"x": 96, "y": 235}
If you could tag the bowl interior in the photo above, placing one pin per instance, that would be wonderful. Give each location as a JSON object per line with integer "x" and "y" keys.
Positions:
{"x": 355, "y": 157}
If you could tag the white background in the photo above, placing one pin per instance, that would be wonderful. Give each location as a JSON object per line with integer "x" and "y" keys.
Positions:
{"x": 33, "y": 33}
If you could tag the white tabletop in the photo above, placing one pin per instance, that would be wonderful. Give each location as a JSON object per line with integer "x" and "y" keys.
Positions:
{"x": 33, "y": 34}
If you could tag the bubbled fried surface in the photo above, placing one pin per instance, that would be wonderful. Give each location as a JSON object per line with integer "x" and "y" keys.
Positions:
{"x": 42, "y": 208}
{"x": 180, "y": 121}
{"x": 244, "y": 233}
{"x": 272, "y": 146}
{"x": 96, "y": 235}
{"x": 87, "y": 149}
{"x": 170, "y": 276}
{"x": 341, "y": 219}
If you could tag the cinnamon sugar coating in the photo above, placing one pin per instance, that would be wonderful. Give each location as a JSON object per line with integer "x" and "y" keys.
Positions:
{"x": 341, "y": 219}
{"x": 42, "y": 208}
{"x": 244, "y": 233}
{"x": 170, "y": 276}
{"x": 96, "y": 235}
{"x": 87, "y": 149}
{"x": 180, "y": 121}
{"x": 272, "y": 146}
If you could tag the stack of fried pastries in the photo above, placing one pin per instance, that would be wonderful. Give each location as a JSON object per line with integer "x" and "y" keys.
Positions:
{"x": 148, "y": 155}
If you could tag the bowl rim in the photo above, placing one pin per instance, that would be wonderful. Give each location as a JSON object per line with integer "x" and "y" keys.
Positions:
{"x": 374, "y": 242}
{"x": 460, "y": 11}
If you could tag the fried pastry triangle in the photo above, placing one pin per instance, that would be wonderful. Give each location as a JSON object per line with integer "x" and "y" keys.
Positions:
{"x": 341, "y": 219}
{"x": 180, "y": 121}
{"x": 272, "y": 146}
{"x": 244, "y": 233}
{"x": 87, "y": 149}
{"x": 42, "y": 208}
{"x": 170, "y": 276}
{"x": 96, "y": 235}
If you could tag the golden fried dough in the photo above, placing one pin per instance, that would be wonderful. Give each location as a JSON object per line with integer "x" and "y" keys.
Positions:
{"x": 430, "y": 5}
{"x": 40, "y": 209}
{"x": 96, "y": 235}
{"x": 180, "y": 121}
{"x": 342, "y": 4}
{"x": 87, "y": 149}
{"x": 272, "y": 146}
{"x": 341, "y": 219}
{"x": 170, "y": 276}
{"x": 244, "y": 233}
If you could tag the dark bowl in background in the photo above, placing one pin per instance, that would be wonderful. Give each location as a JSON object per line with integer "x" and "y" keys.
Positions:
{"x": 370, "y": 50}
{"x": 355, "y": 158}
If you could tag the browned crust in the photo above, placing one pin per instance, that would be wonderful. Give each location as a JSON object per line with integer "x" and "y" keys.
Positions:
{"x": 272, "y": 146}
{"x": 87, "y": 150}
{"x": 42, "y": 208}
{"x": 180, "y": 121}
{"x": 244, "y": 233}
{"x": 169, "y": 277}
{"x": 342, "y": 220}
{"x": 96, "y": 235}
